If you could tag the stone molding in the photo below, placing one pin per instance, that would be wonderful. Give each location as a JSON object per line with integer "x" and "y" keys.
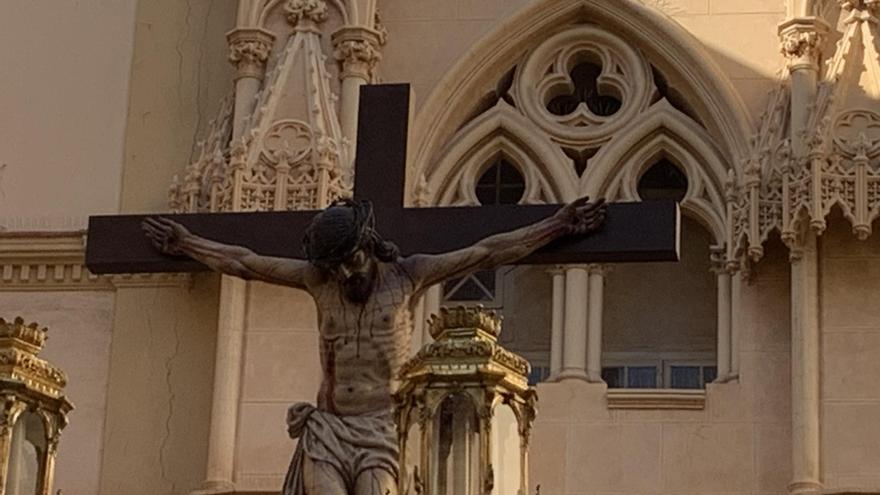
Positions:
{"x": 654, "y": 399}
{"x": 248, "y": 51}
{"x": 55, "y": 261}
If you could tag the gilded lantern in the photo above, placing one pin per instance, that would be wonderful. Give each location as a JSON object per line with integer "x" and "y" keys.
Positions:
{"x": 465, "y": 410}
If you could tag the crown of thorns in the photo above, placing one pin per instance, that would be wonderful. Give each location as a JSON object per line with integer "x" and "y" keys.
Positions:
{"x": 336, "y": 233}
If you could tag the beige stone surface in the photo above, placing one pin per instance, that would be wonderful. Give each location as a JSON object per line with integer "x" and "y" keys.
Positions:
{"x": 705, "y": 458}
{"x": 80, "y": 326}
{"x": 772, "y": 457}
{"x": 63, "y": 101}
{"x": 850, "y": 437}
{"x": 275, "y": 308}
{"x": 280, "y": 366}
{"x": 264, "y": 449}
{"x": 753, "y": 56}
{"x": 179, "y": 75}
{"x": 747, "y": 6}
{"x": 159, "y": 391}
{"x": 850, "y": 291}
{"x": 850, "y": 365}
{"x": 608, "y": 456}
{"x": 547, "y": 465}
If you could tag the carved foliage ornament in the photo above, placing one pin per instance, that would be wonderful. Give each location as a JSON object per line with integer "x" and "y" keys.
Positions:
{"x": 248, "y": 51}
{"x": 297, "y": 11}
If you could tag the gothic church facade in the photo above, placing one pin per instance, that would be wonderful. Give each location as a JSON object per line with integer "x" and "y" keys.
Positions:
{"x": 749, "y": 367}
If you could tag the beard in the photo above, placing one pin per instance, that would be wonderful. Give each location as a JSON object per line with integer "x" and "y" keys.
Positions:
{"x": 357, "y": 288}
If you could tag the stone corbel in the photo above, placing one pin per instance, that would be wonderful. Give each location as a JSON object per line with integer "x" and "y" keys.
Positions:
{"x": 248, "y": 51}
{"x": 802, "y": 39}
{"x": 358, "y": 50}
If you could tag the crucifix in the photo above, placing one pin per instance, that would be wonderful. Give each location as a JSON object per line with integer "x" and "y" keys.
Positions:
{"x": 365, "y": 288}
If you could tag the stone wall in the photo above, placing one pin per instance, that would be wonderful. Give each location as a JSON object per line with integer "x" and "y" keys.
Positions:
{"x": 850, "y": 316}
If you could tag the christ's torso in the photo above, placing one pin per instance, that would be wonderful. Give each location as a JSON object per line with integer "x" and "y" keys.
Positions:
{"x": 363, "y": 346}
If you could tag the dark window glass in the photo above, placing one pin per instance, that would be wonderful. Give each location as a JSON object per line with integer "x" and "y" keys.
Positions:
{"x": 585, "y": 77}
{"x": 613, "y": 377}
{"x": 538, "y": 374}
{"x": 478, "y": 287}
{"x": 663, "y": 181}
{"x": 500, "y": 184}
{"x": 684, "y": 377}
{"x": 710, "y": 373}
{"x": 641, "y": 377}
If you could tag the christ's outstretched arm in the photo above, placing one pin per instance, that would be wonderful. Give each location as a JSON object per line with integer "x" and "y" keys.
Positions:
{"x": 576, "y": 218}
{"x": 172, "y": 238}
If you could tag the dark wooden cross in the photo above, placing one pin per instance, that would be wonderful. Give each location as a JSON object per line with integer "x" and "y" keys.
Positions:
{"x": 647, "y": 231}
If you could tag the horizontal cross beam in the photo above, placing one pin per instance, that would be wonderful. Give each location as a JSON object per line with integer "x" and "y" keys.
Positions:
{"x": 647, "y": 231}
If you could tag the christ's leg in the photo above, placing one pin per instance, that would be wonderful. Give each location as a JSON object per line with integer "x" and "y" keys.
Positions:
{"x": 375, "y": 482}
{"x": 321, "y": 478}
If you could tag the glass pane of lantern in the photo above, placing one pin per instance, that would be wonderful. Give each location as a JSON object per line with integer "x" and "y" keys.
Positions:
{"x": 28, "y": 444}
{"x": 457, "y": 453}
{"x": 505, "y": 451}
{"x": 411, "y": 458}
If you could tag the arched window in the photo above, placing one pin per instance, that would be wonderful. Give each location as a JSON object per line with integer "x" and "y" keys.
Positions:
{"x": 663, "y": 180}
{"x": 500, "y": 184}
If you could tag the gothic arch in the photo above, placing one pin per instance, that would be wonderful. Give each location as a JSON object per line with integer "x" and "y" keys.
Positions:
{"x": 663, "y": 131}
{"x": 671, "y": 48}
{"x": 501, "y": 130}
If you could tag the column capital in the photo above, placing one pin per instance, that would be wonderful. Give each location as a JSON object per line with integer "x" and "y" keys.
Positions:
{"x": 249, "y": 49}
{"x": 801, "y": 40}
{"x": 555, "y": 270}
{"x": 358, "y": 50}
{"x": 599, "y": 269}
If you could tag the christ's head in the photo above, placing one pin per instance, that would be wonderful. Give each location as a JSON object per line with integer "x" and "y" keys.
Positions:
{"x": 342, "y": 241}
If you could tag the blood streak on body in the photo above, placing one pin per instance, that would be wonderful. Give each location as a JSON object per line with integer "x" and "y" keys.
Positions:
{"x": 328, "y": 355}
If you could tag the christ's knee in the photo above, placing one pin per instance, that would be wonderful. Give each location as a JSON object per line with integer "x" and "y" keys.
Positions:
{"x": 375, "y": 482}
{"x": 321, "y": 478}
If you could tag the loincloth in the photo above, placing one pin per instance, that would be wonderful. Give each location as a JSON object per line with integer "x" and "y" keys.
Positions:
{"x": 351, "y": 444}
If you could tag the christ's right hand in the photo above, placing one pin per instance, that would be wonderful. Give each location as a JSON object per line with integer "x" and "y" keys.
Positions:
{"x": 165, "y": 234}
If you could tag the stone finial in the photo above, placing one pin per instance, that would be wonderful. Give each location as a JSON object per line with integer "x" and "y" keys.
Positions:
{"x": 467, "y": 319}
{"x": 801, "y": 41}
{"x": 248, "y": 51}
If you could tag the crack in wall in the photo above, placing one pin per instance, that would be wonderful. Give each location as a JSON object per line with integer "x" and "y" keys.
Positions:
{"x": 198, "y": 80}
{"x": 171, "y": 396}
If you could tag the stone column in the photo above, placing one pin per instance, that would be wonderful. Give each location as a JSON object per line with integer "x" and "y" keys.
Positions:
{"x": 802, "y": 40}
{"x": 227, "y": 386}
{"x": 801, "y": 43}
{"x": 248, "y": 51}
{"x": 805, "y": 337}
{"x": 557, "y": 321}
{"x": 594, "y": 340}
{"x": 357, "y": 48}
{"x": 722, "y": 277}
{"x": 735, "y": 321}
{"x": 575, "y": 323}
